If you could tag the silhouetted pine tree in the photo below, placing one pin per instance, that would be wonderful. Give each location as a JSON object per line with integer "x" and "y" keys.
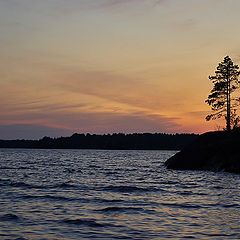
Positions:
{"x": 221, "y": 100}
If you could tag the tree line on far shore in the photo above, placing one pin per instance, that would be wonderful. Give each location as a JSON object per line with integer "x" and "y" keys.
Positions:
{"x": 118, "y": 141}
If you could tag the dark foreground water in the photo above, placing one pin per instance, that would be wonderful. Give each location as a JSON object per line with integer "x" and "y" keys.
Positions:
{"x": 90, "y": 194}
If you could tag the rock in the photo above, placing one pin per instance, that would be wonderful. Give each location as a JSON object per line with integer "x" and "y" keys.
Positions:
{"x": 214, "y": 151}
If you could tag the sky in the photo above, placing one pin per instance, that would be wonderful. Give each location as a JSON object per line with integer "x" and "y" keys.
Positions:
{"x": 105, "y": 66}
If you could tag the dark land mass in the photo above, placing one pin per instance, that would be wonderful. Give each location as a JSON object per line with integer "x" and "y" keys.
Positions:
{"x": 214, "y": 151}
{"x": 136, "y": 141}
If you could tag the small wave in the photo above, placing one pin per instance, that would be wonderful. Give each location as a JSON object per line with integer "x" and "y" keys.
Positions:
{"x": 4, "y": 182}
{"x": 26, "y": 185}
{"x": 65, "y": 186}
{"x": 215, "y": 235}
{"x": 234, "y": 205}
{"x": 23, "y": 168}
{"x": 21, "y": 184}
{"x": 2, "y": 167}
{"x": 94, "y": 166}
{"x": 179, "y": 205}
{"x": 169, "y": 182}
{"x": 83, "y": 222}
{"x": 129, "y": 189}
{"x": 130, "y": 169}
{"x": 8, "y": 182}
{"x": 218, "y": 187}
{"x": 103, "y": 200}
{"x": 187, "y": 193}
{"x": 9, "y": 217}
{"x": 120, "y": 209}
{"x": 111, "y": 173}
{"x": 55, "y": 198}
{"x": 213, "y": 205}
{"x": 69, "y": 170}
{"x": 68, "y": 199}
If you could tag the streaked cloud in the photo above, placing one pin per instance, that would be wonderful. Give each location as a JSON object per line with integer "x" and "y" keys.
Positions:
{"x": 115, "y": 3}
{"x": 96, "y": 122}
{"x": 75, "y": 5}
{"x": 117, "y": 88}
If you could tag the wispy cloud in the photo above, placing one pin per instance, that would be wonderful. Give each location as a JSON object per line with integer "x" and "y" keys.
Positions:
{"x": 116, "y": 88}
{"x": 101, "y": 122}
{"x": 115, "y": 3}
{"x": 89, "y": 101}
{"x": 63, "y": 6}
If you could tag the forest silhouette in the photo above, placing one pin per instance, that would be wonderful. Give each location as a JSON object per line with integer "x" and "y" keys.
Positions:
{"x": 118, "y": 141}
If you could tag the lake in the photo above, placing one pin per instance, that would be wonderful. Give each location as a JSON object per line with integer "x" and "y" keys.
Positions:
{"x": 101, "y": 194}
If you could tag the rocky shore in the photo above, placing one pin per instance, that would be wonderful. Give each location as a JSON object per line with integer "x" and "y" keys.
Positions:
{"x": 213, "y": 151}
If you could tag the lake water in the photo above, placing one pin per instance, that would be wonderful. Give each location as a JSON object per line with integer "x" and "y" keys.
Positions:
{"x": 93, "y": 194}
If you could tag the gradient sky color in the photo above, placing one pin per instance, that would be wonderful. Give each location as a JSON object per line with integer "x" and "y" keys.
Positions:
{"x": 104, "y": 66}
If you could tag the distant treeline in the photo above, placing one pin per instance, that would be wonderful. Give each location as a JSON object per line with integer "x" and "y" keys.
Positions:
{"x": 118, "y": 141}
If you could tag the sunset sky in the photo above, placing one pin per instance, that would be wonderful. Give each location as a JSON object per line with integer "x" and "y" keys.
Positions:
{"x": 104, "y": 66}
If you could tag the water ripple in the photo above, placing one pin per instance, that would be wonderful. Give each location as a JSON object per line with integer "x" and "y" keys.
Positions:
{"x": 92, "y": 194}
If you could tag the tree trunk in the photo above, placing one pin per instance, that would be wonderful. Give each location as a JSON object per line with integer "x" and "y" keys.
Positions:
{"x": 228, "y": 103}
{"x": 228, "y": 119}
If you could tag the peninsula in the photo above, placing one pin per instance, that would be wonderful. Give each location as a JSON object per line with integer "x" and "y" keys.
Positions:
{"x": 214, "y": 151}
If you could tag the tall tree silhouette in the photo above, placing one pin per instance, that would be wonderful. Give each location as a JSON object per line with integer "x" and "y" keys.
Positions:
{"x": 221, "y": 99}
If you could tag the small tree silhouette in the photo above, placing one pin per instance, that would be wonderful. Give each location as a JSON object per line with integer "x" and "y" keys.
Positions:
{"x": 220, "y": 99}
